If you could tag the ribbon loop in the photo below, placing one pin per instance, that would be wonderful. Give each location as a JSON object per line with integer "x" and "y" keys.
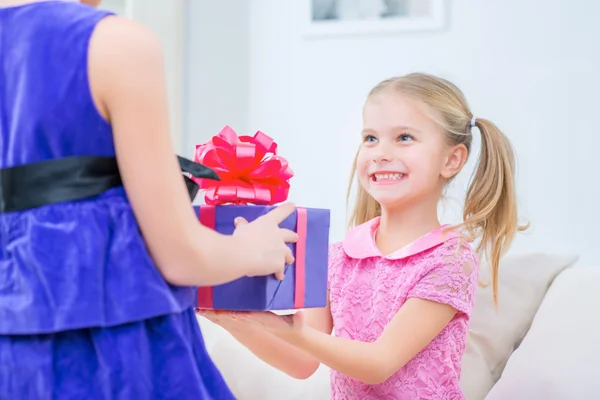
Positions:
{"x": 196, "y": 171}
{"x": 249, "y": 169}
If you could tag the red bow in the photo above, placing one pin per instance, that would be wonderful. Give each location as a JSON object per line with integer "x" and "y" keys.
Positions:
{"x": 249, "y": 168}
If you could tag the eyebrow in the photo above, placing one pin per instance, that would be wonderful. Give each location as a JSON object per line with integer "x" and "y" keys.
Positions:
{"x": 394, "y": 129}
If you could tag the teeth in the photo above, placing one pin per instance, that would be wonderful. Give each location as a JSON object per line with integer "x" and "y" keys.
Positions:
{"x": 392, "y": 177}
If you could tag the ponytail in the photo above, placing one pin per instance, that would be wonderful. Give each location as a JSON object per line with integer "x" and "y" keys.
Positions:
{"x": 490, "y": 210}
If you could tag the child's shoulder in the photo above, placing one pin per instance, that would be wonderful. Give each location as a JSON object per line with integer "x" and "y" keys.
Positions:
{"x": 448, "y": 274}
{"x": 454, "y": 258}
{"x": 454, "y": 250}
{"x": 335, "y": 247}
{"x": 336, "y": 252}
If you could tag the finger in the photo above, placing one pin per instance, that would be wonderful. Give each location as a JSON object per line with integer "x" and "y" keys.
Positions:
{"x": 239, "y": 315}
{"x": 288, "y": 319}
{"x": 279, "y": 275}
{"x": 289, "y": 236}
{"x": 289, "y": 256}
{"x": 208, "y": 314}
{"x": 299, "y": 318}
{"x": 239, "y": 221}
{"x": 280, "y": 213}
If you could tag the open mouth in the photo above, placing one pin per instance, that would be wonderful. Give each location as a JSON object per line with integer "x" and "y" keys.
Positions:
{"x": 387, "y": 177}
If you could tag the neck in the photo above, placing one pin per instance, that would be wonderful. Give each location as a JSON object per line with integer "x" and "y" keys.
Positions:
{"x": 402, "y": 225}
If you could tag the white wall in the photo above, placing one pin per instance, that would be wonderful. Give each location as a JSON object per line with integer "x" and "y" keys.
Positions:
{"x": 528, "y": 65}
{"x": 165, "y": 19}
{"x": 216, "y": 69}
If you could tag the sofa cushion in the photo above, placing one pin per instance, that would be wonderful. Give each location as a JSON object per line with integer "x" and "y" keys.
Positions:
{"x": 523, "y": 282}
{"x": 558, "y": 359}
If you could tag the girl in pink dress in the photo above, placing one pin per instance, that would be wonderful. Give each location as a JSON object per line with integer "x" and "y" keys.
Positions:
{"x": 401, "y": 285}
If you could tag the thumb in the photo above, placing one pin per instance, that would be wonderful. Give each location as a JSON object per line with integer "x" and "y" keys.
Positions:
{"x": 239, "y": 221}
{"x": 299, "y": 318}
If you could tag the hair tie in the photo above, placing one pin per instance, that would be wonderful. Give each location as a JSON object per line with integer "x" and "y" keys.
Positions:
{"x": 473, "y": 120}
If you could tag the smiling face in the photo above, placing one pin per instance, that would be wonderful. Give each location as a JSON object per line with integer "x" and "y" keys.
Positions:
{"x": 404, "y": 156}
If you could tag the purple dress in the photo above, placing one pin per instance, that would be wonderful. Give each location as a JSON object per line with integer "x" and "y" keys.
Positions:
{"x": 84, "y": 312}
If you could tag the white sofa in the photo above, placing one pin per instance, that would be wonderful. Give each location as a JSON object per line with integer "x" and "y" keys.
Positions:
{"x": 548, "y": 312}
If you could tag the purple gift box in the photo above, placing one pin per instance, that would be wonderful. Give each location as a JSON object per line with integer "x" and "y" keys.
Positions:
{"x": 305, "y": 282}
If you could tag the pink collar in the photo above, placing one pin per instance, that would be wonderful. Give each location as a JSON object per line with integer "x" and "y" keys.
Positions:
{"x": 360, "y": 242}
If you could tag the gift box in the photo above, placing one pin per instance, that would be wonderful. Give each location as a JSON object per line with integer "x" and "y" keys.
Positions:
{"x": 253, "y": 178}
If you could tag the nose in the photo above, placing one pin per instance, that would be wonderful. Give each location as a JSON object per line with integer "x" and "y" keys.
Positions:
{"x": 381, "y": 155}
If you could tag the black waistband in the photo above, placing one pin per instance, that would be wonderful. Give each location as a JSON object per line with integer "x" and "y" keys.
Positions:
{"x": 73, "y": 178}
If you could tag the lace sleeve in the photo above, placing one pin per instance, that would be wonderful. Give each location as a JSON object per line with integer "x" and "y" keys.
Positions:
{"x": 335, "y": 254}
{"x": 452, "y": 280}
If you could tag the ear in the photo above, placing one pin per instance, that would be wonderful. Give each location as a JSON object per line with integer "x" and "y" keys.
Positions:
{"x": 455, "y": 160}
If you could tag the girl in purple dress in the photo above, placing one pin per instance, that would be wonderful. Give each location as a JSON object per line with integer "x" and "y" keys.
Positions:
{"x": 100, "y": 249}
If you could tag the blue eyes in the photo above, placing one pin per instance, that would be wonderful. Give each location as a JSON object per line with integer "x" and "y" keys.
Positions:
{"x": 401, "y": 138}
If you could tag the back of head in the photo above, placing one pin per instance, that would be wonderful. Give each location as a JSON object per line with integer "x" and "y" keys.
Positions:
{"x": 490, "y": 210}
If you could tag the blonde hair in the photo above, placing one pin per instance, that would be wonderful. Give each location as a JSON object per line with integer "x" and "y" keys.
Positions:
{"x": 490, "y": 210}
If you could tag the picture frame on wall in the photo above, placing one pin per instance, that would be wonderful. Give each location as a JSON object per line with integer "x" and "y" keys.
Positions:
{"x": 359, "y": 17}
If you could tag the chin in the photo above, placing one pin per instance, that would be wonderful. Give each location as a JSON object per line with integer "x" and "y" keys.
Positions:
{"x": 392, "y": 199}
{"x": 388, "y": 201}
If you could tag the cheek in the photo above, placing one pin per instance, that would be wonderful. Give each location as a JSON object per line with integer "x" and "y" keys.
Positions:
{"x": 362, "y": 161}
{"x": 362, "y": 166}
{"x": 425, "y": 165}
{"x": 416, "y": 159}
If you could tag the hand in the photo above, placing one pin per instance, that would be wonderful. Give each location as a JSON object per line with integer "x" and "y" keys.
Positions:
{"x": 225, "y": 319}
{"x": 283, "y": 326}
{"x": 263, "y": 243}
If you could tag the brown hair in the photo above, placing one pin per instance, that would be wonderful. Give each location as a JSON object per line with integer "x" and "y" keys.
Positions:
{"x": 490, "y": 210}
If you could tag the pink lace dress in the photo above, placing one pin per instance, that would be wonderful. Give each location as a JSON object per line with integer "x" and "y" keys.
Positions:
{"x": 367, "y": 289}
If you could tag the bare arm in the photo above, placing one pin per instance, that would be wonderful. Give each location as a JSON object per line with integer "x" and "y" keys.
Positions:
{"x": 273, "y": 350}
{"x": 299, "y": 350}
{"x": 127, "y": 79}
{"x": 415, "y": 325}
{"x": 432, "y": 304}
